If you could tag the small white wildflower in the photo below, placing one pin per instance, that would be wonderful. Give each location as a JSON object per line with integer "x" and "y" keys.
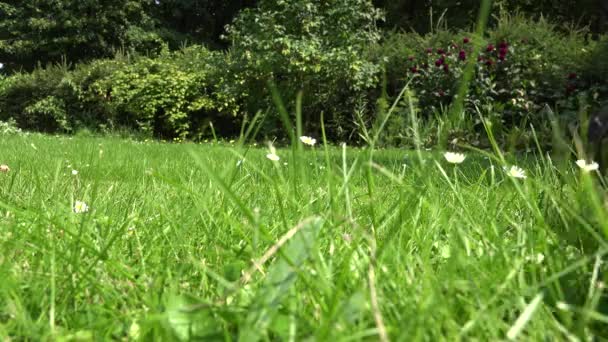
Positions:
{"x": 273, "y": 157}
{"x": 134, "y": 329}
{"x": 454, "y": 158}
{"x": 562, "y": 306}
{"x": 74, "y": 172}
{"x": 308, "y": 140}
{"x": 80, "y": 207}
{"x": 273, "y": 154}
{"x": 593, "y": 166}
{"x": 4, "y": 168}
{"x": 515, "y": 172}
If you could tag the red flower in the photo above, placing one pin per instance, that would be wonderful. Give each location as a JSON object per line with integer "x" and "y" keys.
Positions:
{"x": 489, "y": 62}
{"x": 503, "y": 51}
{"x": 441, "y": 93}
{"x": 503, "y": 45}
{"x": 466, "y": 40}
{"x": 480, "y": 59}
{"x": 462, "y": 55}
{"x": 414, "y": 69}
{"x": 490, "y": 48}
{"x": 429, "y": 50}
{"x": 439, "y": 62}
{"x": 501, "y": 57}
{"x": 446, "y": 68}
{"x": 440, "y": 51}
{"x": 572, "y": 76}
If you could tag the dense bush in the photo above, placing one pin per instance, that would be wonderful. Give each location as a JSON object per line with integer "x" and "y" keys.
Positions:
{"x": 173, "y": 95}
{"x": 169, "y": 95}
{"x": 56, "y": 99}
{"x": 317, "y": 47}
{"x": 521, "y": 67}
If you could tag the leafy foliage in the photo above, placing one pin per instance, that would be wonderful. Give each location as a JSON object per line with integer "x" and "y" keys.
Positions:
{"x": 164, "y": 96}
{"x": 34, "y": 31}
{"x": 317, "y": 47}
{"x": 523, "y": 66}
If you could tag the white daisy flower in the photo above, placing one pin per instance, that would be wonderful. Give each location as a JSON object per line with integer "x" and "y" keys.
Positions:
{"x": 273, "y": 154}
{"x": 80, "y": 207}
{"x": 515, "y": 172}
{"x": 593, "y": 166}
{"x": 308, "y": 140}
{"x": 454, "y": 158}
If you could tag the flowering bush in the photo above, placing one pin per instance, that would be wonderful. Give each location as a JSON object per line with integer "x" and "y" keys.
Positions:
{"x": 498, "y": 81}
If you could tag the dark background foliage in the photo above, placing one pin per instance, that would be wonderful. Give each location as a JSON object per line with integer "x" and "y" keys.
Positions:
{"x": 175, "y": 68}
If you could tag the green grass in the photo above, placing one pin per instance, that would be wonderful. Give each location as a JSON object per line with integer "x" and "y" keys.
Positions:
{"x": 410, "y": 246}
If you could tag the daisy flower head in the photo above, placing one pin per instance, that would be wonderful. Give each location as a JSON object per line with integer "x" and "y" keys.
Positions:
{"x": 587, "y": 167}
{"x": 273, "y": 154}
{"x": 80, "y": 207}
{"x": 308, "y": 140}
{"x": 515, "y": 172}
{"x": 74, "y": 172}
{"x": 454, "y": 158}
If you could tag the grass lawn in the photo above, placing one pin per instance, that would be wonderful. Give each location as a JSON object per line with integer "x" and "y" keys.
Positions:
{"x": 185, "y": 241}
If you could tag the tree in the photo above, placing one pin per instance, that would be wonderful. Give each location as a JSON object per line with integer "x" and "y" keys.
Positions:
{"x": 34, "y": 31}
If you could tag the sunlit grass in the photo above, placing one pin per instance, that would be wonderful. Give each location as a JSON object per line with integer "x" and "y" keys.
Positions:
{"x": 216, "y": 241}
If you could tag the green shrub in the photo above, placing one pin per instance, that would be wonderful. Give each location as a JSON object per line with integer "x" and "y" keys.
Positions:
{"x": 56, "y": 99}
{"x": 522, "y": 67}
{"x": 25, "y": 97}
{"x": 9, "y": 128}
{"x": 167, "y": 96}
{"x": 316, "y": 47}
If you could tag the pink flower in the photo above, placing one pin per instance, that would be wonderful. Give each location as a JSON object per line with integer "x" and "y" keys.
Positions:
{"x": 466, "y": 40}
{"x": 490, "y": 48}
{"x": 439, "y": 62}
{"x": 440, "y": 51}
